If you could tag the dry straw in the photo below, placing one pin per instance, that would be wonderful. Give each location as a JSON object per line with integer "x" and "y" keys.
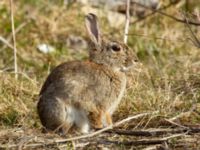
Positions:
{"x": 127, "y": 21}
{"x": 13, "y": 37}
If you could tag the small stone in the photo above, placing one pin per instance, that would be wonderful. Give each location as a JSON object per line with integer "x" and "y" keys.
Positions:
{"x": 44, "y": 48}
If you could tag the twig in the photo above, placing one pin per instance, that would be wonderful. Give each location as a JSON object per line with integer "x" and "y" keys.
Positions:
{"x": 6, "y": 42}
{"x": 194, "y": 38}
{"x": 14, "y": 40}
{"x": 17, "y": 30}
{"x": 167, "y": 15}
{"x": 141, "y": 142}
{"x": 107, "y": 128}
{"x": 154, "y": 132}
{"x": 127, "y": 21}
{"x": 174, "y": 123}
{"x": 153, "y": 12}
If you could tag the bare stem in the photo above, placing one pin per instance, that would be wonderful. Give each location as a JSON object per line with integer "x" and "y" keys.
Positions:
{"x": 127, "y": 21}
{"x": 166, "y": 15}
{"x": 13, "y": 37}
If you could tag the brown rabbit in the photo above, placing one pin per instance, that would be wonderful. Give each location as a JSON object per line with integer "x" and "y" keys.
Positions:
{"x": 85, "y": 94}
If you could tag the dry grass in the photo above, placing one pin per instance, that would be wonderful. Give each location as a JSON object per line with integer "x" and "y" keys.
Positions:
{"x": 168, "y": 80}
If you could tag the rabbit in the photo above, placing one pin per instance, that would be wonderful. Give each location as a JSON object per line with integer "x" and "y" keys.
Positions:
{"x": 85, "y": 94}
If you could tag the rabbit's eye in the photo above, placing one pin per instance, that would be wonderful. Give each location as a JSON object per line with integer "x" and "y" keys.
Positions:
{"x": 116, "y": 48}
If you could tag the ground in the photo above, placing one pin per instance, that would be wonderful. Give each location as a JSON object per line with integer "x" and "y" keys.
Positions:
{"x": 167, "y": 80}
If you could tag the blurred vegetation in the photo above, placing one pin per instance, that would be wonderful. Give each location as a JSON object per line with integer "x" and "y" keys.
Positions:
{"x": 168, "y": 80}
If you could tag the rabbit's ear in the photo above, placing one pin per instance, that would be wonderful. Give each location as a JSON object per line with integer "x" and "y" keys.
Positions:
{"x": 92, "y": 26}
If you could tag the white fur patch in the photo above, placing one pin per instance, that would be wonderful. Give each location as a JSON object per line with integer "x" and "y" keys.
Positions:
{"x": 122, "y": 90}
{"x": 78, "y": 117}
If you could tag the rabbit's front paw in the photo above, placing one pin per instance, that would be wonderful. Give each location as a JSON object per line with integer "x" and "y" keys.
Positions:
{"x": 96, "y": 120}
{"x": 98, "y": 124}
{"x": 108, "y": 118}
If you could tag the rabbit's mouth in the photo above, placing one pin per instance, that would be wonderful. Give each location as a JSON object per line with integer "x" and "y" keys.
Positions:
{"x": 129, "y": 66}
{"x": 125, "y": 69}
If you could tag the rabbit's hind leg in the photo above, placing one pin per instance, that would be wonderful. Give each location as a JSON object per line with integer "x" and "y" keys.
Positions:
{"x": 53, "y": 115}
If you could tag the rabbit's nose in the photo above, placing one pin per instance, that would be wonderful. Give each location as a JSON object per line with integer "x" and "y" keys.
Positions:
{"x": 129, "y": 62}
{"x": 135, "y": 62}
